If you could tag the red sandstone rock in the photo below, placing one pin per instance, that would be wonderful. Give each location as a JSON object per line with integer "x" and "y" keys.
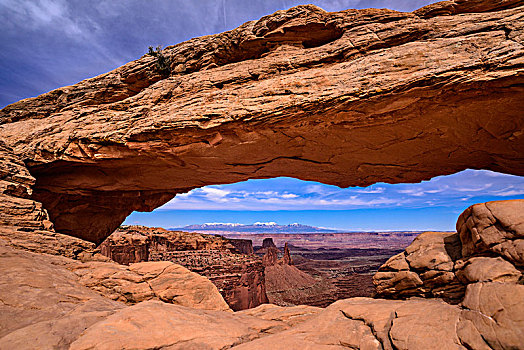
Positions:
{"x": 339, "y": 112}
{"x": 496, "y": 227}
{"x": 286, "y": 259}
{"x": 239, "y": 277}
{"x": 346, "y": 98}
{"x": 487, "y": 248}
{"x": 271, "y": 256}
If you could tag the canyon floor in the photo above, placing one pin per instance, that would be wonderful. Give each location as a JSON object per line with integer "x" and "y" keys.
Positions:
{"x": 343, "y": 264}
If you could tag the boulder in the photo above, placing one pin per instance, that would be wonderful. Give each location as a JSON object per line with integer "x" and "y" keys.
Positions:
{"x": 425, "y": 268}
{"x": 487, "y": 269}
{"x": 162, "y": 280}
{"x": 495, "y": 227}
{"x": 487, "y": 248}
{"x": 492, "y": 316}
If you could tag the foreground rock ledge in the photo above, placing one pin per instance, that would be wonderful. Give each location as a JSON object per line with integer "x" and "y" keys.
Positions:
{"x": 45, "y": 306}
{"x": 345, "y": 98}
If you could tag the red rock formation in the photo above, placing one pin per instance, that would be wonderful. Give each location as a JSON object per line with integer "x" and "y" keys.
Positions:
{"x": 487, "y": 248}
{"x": 243, "y": 246}
{"x": 270, "y": 258}
{"x": 268, "y": 243}
{"x": 126, "y": 248}
{"x": 24, "y": 222}
{"x": 75, "y": 317}
{"x": 346, "y": 98}
{"x": 239, "y": 277}
{"x": 286, "y": 259}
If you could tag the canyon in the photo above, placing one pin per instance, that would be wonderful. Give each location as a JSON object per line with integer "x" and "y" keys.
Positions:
{"x": 229, "y": 264}
{"x": 346, "y": 98}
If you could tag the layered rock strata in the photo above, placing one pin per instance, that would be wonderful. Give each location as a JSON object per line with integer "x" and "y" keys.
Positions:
{"x": 130, "y": 244}
{"x": 24, "y": 222}
{"x": 239, "y": 277}
{"x": 488, "y": 247}
{"x": 346, "y": 98}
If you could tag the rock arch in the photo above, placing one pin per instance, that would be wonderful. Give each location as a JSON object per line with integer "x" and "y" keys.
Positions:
{"x": 347, "y": 98}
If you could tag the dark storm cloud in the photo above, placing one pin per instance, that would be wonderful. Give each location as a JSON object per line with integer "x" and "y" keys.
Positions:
{"x": 46, "y": 44}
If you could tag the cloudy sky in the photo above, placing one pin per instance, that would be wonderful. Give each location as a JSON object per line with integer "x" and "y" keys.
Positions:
{"x": 429, "y": 205}
{"x": 46, "y": 44}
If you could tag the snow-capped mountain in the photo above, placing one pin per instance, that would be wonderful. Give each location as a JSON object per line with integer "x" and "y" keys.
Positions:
{"x": 257, "y": 227}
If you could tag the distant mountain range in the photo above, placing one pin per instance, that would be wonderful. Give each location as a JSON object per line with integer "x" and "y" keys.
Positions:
{"x": 257, "y": 227}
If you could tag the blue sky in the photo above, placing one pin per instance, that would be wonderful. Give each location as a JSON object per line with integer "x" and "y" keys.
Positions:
{"x": 46, "y": 44}
{"x": 429, "y": 205}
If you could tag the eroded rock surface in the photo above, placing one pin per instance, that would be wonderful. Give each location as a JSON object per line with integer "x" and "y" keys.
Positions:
{"x": 24, "y": 222}
{"x": 346, "y": 98}
{"x": 239, "y": 277}
{"x": 45, "y": 305}
{"x": 494, "y": 227}
{"x": 42, "y": 304}
{"x": 161, "y": 280}
{"x": 426, "y": 268}
{"x": 487, "y": 248}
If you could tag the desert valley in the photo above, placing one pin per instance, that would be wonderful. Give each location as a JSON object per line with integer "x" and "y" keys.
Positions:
{"x": 348, "y": 99}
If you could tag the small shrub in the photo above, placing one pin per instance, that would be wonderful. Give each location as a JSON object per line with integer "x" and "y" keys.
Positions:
{"x": 163, "y": 63}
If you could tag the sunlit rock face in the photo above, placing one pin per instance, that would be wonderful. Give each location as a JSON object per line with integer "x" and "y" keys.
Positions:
{"x": 345, "y": 98}
{"x": 239, "y": 276}
{"x": 487, "y": 247}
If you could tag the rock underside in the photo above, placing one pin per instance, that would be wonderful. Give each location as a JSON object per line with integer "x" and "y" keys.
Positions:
{"x": 346, "y": 98}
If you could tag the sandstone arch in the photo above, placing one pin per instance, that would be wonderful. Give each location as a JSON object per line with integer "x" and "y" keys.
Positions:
{"x": 347, "y": 98}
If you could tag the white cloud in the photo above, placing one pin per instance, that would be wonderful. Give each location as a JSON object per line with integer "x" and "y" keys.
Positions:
{"x": 292, "y": 194}
{"x": 215, "y": 192}
{"x": 511, "y": 193}
{"x": 474, "y": 189}
{"x": 372, "y": 190}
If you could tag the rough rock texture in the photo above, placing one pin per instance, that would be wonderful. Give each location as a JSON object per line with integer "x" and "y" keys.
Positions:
{"x": 161, "y": 280}
{"x": 130, "y": 244}
{"x": 492, "y": 316}
{"x": 240, "y": 278}
{"x": 426, "y": 268}
{"x": 268, "y": 243}
{"x": 345, "y": 98}
{"x": 44, "y": 305}
{"x": 155, "y": 325}
{"x": 243, "y": 246}
{"x": 488, "y": 247}
{"x": 364, "y": 323}
{"x": 286, "y": 284}
{"x": 24, "y": 223}
{"x": 286, "y": 258}
{"x": 494, "y": 227}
